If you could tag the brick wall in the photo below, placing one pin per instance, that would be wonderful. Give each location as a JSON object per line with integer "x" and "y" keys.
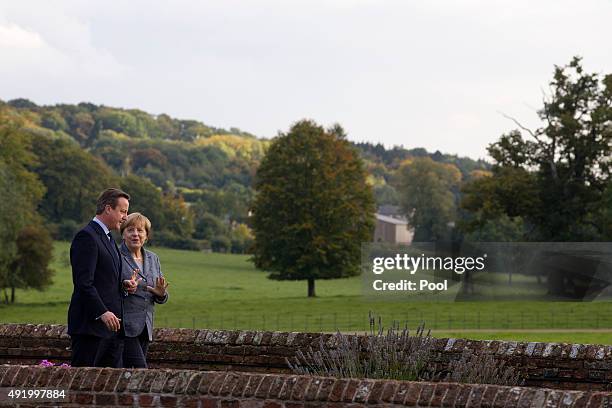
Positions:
{"x": 215, "y": 389}
{"x": 562, "y": 366}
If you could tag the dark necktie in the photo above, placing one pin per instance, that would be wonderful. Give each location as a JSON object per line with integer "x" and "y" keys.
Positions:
{"x": 114, "y": 245}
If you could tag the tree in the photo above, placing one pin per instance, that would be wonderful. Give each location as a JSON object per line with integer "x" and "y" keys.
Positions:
{"x": 21, "y": 193}
{"x": 495, "y": 205}
{"x": 241, "y": 237}
{"x": 177, "y": 218}
{"x": 313, "y": 207}
{"x": 30, "y": 267}
{"x": 73, "y": 178}
{"x": 208, "y": 226}
{"x": 561, "y": 170}
{"x": 146, "y": 198}
{"x": 427, "y": 196}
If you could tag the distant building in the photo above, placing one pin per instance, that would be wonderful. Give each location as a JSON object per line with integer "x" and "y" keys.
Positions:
{"x": 393, "y": 229}
{"x": 390, "y": 211}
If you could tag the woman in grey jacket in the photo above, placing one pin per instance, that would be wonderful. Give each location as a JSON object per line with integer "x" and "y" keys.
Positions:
{"x": 142, "y": 266}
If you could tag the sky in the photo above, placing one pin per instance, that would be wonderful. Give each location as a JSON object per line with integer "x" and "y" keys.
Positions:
{"x": 433, "y": 74}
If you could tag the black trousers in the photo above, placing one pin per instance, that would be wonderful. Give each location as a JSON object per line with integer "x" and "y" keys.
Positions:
{"x": 135, "y": 350}
{"x": 94, "y": 351}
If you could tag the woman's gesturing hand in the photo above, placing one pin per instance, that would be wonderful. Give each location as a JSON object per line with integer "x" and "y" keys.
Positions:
{"x": 160, "y": 287}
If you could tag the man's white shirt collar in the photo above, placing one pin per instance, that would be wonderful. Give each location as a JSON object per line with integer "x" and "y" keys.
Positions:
{"x": 104, "y": 227}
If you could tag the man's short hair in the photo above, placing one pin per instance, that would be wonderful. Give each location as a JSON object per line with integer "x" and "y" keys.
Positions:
{"x": 110, "y": 196}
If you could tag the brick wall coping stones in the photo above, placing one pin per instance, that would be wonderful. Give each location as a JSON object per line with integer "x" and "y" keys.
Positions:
{"x": 594, "y": 352}
{"x": 192, "y": 388}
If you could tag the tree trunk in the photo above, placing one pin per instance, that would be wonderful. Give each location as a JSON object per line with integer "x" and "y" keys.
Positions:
{"x": 12, "y": 294}
{"x": 6, "y": 299}
{"x": 311, "y": 287}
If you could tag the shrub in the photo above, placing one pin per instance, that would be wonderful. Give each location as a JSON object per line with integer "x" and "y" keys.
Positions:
{"x": 482, "y": 369}
{"x": 171, "y": 240}
{"x": 394, "y": 355}
{"x": 397, "y": 355}
{"x": 220, "y": 243}
{"x": 67, "y": 229}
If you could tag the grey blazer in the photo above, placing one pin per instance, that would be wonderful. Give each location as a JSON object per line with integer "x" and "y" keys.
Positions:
{"x": 138, "y": 307}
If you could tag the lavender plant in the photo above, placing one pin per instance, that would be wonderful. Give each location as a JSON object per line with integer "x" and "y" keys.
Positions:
{"x": 396, "y": 354}
{"x": 482, "y": 369}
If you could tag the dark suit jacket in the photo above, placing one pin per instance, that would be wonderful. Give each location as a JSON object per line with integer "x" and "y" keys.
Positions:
{"x": 96, "y": 276}
{"x": 138, "y": 307}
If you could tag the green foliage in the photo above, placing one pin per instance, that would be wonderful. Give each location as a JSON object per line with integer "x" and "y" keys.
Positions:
{"x": 313, "y": 208}
{"x": 30, "y": 268}
{"x": 82, "y": 127}
{"x": 54, "y": 120}
{"x": 120, "y": 121}
{"x": 145, "y": 198}
{"x": 208, "y": 226}
{"x": 21, "y": 193}
{"x": 177, "y": 219}
{"x": 22, "y": 103}
{"x": 500, "y": 229}
{"x": 555, "y": 180}
{"x": 65, "y": 230}
{"x": 383, "y": 164}
{"x": 496, "y": 205}
{"x": 426, "y": 190}
{"x": 221, "y": 243}
{"x": 171, "y": 240}
{"x": 241, "y": 238}
{"x": 73, "y": 177}
{"x": 604, "y": 216}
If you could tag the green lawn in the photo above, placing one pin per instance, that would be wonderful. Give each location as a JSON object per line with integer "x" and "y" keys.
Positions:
{"x": 225, "y": 291}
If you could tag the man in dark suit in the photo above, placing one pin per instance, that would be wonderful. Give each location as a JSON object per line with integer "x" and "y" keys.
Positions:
{"x": 96, "y": 307}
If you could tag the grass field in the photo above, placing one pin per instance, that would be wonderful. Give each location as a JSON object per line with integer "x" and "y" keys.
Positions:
{"x": 226, "y": 292}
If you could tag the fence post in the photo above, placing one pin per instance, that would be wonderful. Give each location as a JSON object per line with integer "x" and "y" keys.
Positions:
{"x": 552, "y": 319}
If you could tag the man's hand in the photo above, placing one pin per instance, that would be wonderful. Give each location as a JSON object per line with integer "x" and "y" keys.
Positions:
{"x": 160, "y": 287}
{"x": 131, "y": 285}
{"x": 112, "y": 322}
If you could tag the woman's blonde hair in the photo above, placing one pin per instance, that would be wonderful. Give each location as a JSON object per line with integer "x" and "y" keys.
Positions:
{"x": 137, "y": 219}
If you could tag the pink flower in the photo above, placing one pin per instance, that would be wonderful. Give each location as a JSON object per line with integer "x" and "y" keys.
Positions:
{"x": 47, "y": 363}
